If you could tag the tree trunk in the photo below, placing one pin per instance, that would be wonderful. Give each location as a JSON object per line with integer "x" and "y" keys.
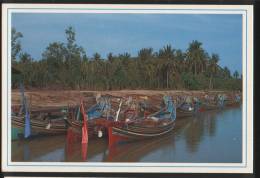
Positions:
{"x": 195, "y": 69}
{"x": 158, "y": 81}
{"x": 167, "y": 82}
{"x": 107, "y": 84}
{"x": 210, "y": 82}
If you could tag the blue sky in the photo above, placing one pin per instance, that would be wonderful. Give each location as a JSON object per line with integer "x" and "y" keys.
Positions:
{"x": 119, "y": 33}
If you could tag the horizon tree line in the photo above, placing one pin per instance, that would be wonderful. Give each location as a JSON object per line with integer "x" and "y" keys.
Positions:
{"x": 66, "y": 66}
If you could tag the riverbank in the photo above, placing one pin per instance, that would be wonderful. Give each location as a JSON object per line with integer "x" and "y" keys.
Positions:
{"x": 59, "y": 98}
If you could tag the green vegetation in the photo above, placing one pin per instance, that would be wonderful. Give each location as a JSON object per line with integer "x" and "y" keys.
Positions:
{"x": 66, "y": 66}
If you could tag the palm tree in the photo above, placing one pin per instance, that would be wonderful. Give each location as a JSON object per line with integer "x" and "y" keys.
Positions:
{"x": 196, "y": 57}
{"x": 15, "y": 43}
{"x": 180, "y": 60}
{"x": 213, "y": 67}
{"x": 146, "y": 65}
{"x": 226, "y": 72}
{"x": 159, "y": 71}
{"x": 25, "y": 58}
{"x": 169, "y": 63}
{"x": 110, "y": 68}
{"x": 96, "y": 57}
{"x": 110, "y": 57}
{"x": 236, "y": 74}
{"x": 145, "y": 53}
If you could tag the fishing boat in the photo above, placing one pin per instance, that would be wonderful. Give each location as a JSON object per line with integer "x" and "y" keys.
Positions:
{"x": 42, "y": 121}
{"x": 185, "y": 107}
{"x": 215, "y": 103}
{"x": 106, "y": 111}
{"x": 75, "y": 125}
{"x": 98, "y": 115}
{"x": 29, "y": 122}
{"x": 206, "y": 106}
{"x": 153, "y": 125}
{"x": 185, "y": 110}
{"x": 233, "y": 101}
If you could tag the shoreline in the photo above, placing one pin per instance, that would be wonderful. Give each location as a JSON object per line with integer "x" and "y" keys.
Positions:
{"x": 60, "y": 98}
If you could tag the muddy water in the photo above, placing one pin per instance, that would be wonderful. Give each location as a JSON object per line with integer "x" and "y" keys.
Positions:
{"x": 210, "y": 137}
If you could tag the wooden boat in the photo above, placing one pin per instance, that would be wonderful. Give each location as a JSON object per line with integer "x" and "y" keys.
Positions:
{"x": 215, "y": 105}
{"x": 97, "y": 113}
{"x": 154, "y": 125}
{"x": 16, "y": 133}
{"x": 212, "y": 102}
{"x": 135, "y": 132}
{"x": 185, "y": 110}
{"x": 42, "y": 122}
{"x": 39, "y": 121}
{"x": 233, "y": 101}
{"x": 209, "y": 106}
{"x": 103, "y": 114}
{"x": 75, "y": 125}
{"x": 218, "y": 102}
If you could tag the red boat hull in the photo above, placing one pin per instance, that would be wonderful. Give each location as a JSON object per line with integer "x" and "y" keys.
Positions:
{"x": 133, "y": 132}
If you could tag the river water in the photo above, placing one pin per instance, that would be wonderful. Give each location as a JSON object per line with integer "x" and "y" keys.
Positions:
{"x": 210, "y": 137}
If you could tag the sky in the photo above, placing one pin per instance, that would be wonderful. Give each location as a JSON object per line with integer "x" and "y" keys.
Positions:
{"x": 119, "y": 33}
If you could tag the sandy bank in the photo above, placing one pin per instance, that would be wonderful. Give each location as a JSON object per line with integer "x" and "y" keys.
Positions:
{"x": 56, "y": 98}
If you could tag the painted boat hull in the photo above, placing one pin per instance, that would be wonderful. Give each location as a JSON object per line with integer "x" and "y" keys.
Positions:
{"x": 134, "y": 132}
{"x": 16, "y": 132}
{"x": 41, "y": 126}
{"x": 181, "y": 113}
{"x": 208, "y": 107}
{"x": 232, "y": 103}
{"x": 76, "y": 127}
{"x": 94, "y": 126}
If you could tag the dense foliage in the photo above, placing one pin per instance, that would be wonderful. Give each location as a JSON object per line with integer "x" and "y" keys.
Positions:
{"x": 66, "y": 66}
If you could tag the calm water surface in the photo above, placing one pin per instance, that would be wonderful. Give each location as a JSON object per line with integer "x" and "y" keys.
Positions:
{"x": 210, "y": 137}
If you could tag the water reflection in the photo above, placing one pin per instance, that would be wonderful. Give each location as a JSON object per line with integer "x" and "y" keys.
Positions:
{"x": 53, "y": 156}
{"x": 199, "y": 127}
{"x": 33, "y": 149}
{"x": 132, "y": 152}
{"x": 26, "y": 152}
{"x": 209, "y": 137}
{"x": 76, "y": 151}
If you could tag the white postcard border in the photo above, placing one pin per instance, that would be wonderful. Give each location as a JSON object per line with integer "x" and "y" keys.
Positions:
{"x": 247, "y": 30}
